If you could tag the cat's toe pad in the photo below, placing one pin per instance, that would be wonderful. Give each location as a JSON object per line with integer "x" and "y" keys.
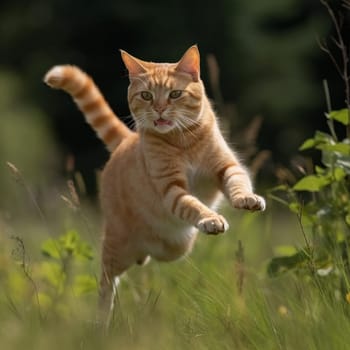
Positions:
{"x": 213, "y": 225}
{"x": 249, "y": 201}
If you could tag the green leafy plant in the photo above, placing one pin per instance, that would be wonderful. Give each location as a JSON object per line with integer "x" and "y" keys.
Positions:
{"x": 321, "y": 199}
{"x": 63, "y": 253}
{"x": 62, "y": 275}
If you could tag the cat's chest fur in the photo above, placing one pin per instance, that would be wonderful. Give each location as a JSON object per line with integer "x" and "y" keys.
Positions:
{"x": 166, "y": 163}
{"x": 202, "y": 184}
{"x": 192, "y": 164}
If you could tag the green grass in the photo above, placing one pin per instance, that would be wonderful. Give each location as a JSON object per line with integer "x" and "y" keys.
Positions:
{"x": 213, "y": 299}
{"x": 198, "y": 302}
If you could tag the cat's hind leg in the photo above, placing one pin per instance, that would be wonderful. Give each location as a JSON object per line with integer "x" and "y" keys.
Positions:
{"x": 107, "y": 294}
{"x": 115, "y": 261}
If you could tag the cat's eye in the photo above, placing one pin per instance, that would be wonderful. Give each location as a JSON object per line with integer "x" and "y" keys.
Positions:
{"x": 175, "y": 94}
{"x": 146, "y": 95}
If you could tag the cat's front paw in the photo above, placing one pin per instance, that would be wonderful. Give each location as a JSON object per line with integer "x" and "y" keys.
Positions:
{"x": 249, "y": 201}
{"x": 213, "y": 224}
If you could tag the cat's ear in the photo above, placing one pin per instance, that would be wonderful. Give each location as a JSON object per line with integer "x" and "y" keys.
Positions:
{"x": 133, "y": 65}
{"x": 190, "y": 63}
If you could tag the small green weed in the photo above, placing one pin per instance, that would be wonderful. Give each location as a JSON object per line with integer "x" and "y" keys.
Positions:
{"x": 60, "y": 277}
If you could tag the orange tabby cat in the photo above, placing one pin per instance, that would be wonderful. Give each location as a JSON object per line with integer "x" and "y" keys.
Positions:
{"x": 163, "y": 180}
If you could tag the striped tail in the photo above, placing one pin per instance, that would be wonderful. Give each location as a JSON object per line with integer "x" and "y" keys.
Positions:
{"x": 90, "y": 101}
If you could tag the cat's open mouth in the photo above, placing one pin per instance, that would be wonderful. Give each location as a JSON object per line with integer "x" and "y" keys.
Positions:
{"x": 162, "y": 122}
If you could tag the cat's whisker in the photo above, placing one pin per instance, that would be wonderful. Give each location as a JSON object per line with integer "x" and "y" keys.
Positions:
{"x": 131, "y": 124}
{"x": 189, "y": 121}
{"x": 142, "y": 121}
{"x": 186, "y": 128}
{"x": 185, "y": 134}
{"x": 179, "y": 128}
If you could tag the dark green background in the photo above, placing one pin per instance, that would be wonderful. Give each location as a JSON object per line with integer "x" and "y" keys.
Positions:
{"x": 267, "y": 50}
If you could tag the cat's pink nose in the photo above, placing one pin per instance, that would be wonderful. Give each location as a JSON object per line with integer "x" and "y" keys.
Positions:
{"x": 159, "y": 108}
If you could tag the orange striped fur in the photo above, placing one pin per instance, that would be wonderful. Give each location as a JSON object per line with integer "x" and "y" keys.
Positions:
{"x": 163, "y": 181}
{"x": 90, "y": 101}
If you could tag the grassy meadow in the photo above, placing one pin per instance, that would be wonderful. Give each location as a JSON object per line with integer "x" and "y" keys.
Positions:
{"x": 219, "y": 297}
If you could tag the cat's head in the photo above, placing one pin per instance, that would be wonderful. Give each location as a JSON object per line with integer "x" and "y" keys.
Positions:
{"x": 165, "y": 96}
